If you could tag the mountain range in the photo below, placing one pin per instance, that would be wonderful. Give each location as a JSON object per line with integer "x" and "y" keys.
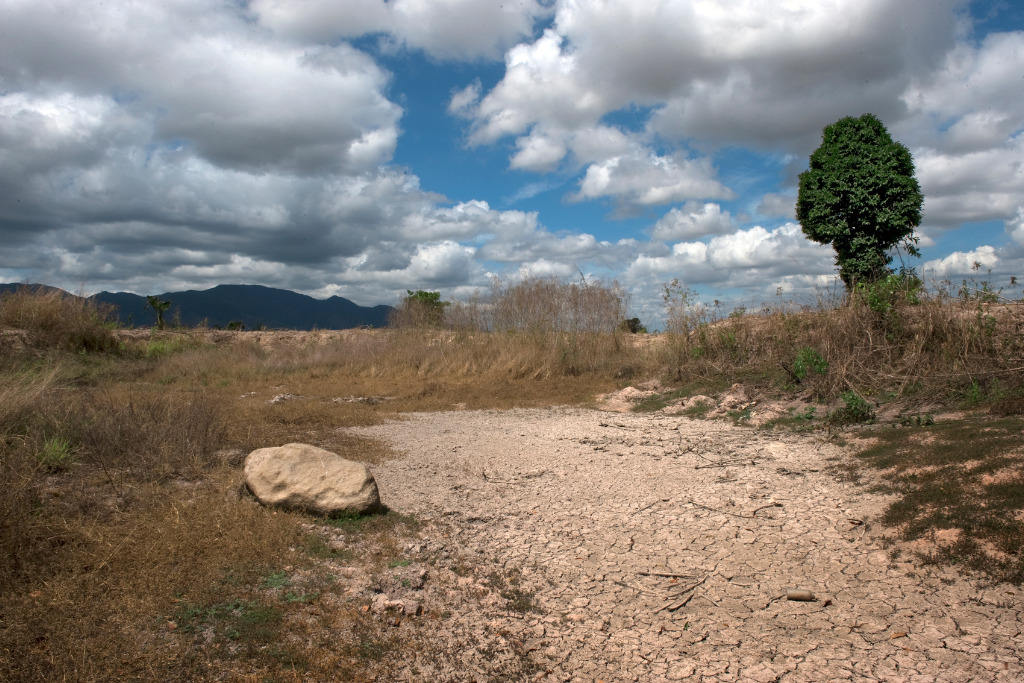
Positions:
{"x": 255, "y": 306}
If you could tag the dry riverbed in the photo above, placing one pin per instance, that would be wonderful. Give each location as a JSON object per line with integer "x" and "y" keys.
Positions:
{"x": 571, "y": 544}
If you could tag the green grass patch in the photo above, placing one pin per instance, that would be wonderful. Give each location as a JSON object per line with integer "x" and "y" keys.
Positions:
{"x": 314, "y": 545}
{"x": 797, "y": 421}
{"x": 244, "y": 621}
{"x": 277, "y": 579}
{"x": 56, "y": 455}
{"x": 965, "y": 475}
{"x": 369, "y": 524}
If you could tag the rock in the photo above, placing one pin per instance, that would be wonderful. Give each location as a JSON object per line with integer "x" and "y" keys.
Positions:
{"x": 280, "y": 398}
{"x": 380, "y": 603}
{"x": 734, "y": 399}
{"x": 412, "y": 609}
{"x": 303, "y": 477}
{"x": 764, "y": 415}
{"x": 232, "y": 457}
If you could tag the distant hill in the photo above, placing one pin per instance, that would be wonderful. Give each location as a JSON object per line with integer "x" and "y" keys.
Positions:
{"x": 254, "y": 305}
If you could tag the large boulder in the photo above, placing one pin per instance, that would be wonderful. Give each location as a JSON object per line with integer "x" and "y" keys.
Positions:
{"x": 303, "y": 477}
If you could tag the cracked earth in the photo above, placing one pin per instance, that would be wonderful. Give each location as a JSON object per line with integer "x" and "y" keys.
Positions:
{"x": 661, "y": 548}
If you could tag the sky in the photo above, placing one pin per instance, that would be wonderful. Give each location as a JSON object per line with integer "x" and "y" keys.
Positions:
{"x": 362, "y": 148}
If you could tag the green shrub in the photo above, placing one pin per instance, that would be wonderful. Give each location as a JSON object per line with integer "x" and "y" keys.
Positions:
{"x": 808, "y": 360}
{"x": 856, "y": 410}
{"x": 884, "y": 294}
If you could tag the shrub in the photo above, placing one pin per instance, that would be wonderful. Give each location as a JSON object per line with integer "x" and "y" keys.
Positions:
{"x": 856, "y": 410}
{"x": 808, "y": 360}
{"x": 883, "y": 295}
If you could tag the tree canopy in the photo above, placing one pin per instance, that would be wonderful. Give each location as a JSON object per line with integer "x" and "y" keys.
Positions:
{"x": 860, "y": 195}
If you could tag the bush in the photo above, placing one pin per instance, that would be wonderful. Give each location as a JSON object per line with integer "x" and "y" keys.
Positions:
{"x": 419, "y": 309}
{"x": 808, "y": 360}
{"x": 883, "y": 295}
{"x": 633, "y": 326}
{"x": 856, "y": 410}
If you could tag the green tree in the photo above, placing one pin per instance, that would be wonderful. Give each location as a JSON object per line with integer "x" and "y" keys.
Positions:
{"x": 424, "y": 308}
{"x": 860, "y": 195}
{"x": 160, "y": 307}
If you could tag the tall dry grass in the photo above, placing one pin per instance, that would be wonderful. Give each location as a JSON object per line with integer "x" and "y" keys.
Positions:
{"x": 54, "y": 319}
{"x": 932, "y": 345}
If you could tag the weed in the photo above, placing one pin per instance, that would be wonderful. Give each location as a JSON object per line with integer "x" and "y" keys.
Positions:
{"x": 238, "y": 620}
{"x": 278, "y": 579}
{"x": 797, "y": 421}
{"x": 808, "y": 360}
{"x": 56, "y": 455}
{"x": 516, "y": 599}
{"x": 740, "y": 416}
{"x": 856, "y": 411}
{"x": 917, "y": 420}
{"x": 399, "y": 563}
{"x": 301, "y": 598}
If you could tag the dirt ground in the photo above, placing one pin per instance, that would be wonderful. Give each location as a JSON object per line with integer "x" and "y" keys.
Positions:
{"x": 579, "y": 545}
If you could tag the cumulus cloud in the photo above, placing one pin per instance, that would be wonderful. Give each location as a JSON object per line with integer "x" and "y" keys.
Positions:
{"x": 691, "y": 221}
{"x": 239, "y": 99}
{"x": 963, "y": 263}
{"x": 765, "y": 74}
{"x": 447, "y": 29}
{"x": 650, "y": 180}
{"x": 746, "y": 258}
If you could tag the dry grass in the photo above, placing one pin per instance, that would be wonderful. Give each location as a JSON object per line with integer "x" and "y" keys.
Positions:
{"x": 54, "y": 319}
{"x": 119, "y": 517}
{"x": 934, "y": 350}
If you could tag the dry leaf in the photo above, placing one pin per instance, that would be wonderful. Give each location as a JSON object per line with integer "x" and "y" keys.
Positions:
{"x": 899, "y": 634}
{"x": 35, "y": 594}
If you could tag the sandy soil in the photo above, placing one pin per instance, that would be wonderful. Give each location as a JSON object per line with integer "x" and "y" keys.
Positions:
{"x": 592, "y": 509}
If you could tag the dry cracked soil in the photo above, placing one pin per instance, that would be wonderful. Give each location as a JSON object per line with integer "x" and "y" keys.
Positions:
{"x": 577, "y": 545}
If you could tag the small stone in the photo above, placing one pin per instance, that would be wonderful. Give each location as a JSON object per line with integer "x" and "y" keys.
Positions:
{"x": 380, "y": 603}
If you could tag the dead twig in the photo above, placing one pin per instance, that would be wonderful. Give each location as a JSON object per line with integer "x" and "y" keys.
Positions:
{"x": 728, "y": 463}
{"x": 672, "y": 605}
{"x": 726, "y": 512}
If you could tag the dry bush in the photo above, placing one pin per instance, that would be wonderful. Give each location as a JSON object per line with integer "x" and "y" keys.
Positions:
{"x": 548, "y": 305}
{"x": 56, "y": 319}
{"x": 149, "y": 435}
